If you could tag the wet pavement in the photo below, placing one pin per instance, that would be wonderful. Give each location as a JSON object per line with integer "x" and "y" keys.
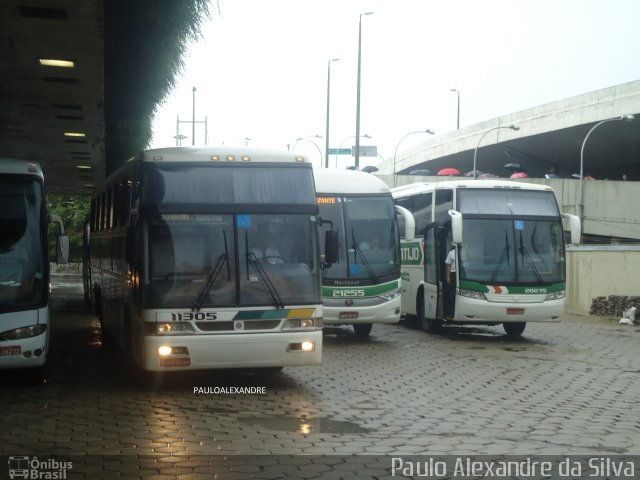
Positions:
{"x": 562, "y": 389}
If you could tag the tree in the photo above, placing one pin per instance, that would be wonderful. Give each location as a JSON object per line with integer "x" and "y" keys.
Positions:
{"x": 73, "y": 210}
{"x": 144, "y": 45}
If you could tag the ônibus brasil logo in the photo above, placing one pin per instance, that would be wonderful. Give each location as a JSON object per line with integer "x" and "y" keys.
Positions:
{"x": 33, "y": 468}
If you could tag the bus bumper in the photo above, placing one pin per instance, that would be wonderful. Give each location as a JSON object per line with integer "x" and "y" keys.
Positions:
{"x": 25, "y": 353}
{"x": 481, "y": 311}
{"x": 232, "y": 351}
{"x": 335, "y": 312}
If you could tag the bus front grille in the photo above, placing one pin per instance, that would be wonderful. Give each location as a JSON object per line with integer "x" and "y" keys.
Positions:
{"x": 229, "y": 327}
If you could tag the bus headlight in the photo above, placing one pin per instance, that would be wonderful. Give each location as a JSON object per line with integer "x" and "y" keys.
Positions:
{"x": 24, "y": 332}
{"x": 174, "y": 328}
{"x": 166, "y": 350}
{"x": 390, "y": 295}
{"x": 555, "y": 295}
{"x": 306, "y": 346}
{"x": 472, "y": 294}
{"x": 296, "y": 323}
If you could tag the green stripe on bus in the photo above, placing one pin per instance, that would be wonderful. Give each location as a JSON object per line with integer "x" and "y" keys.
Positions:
{"x": 276, "y": 314}
{"x": 514, "y": 289}
{"x": 359, "y": 291}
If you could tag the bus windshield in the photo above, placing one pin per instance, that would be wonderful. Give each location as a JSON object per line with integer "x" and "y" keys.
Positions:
{"x": 22, "y": 266}
{"x": 368, "y": 237}
{"x": 502, "y": 201}
{"x": 512, "y": 251}
{"x": 224, "y": 260}
{"x": 180, "y": 183}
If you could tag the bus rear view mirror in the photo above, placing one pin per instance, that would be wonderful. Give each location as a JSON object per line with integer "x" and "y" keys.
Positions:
{"x": 62, "y": 249}
{"x": 409, "y": 223}
{"x": 574, "y": 227}
{"x": 456, "y": 226}
{"x": 330, "y": 247}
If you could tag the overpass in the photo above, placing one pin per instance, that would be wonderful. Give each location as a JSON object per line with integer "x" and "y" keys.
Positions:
{"x": 549, "y": 136}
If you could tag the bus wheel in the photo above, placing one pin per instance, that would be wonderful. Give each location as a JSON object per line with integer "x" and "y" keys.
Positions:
{"x": 362, "y": 330}
{"x": 514, "y": 329}
{"x": 429, "y": 325}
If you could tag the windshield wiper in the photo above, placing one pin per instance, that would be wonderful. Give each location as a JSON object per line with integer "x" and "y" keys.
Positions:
{"x": 262, "y": 274}
{"x": 365, "y": 262}
{"x": 213, "y": 276}
{"x": 524, "y": 253}
{"x": 505, "y": 253}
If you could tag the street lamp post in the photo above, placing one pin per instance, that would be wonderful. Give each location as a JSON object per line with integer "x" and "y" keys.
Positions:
{"x": 458, "y": 115}
{"x": 306, "y": 139}
{"x": 357, "y": 154}
{"x": 344, "y": 140}
{"x": 429, "y": 131}
{"x": 193, "y": 118}
{"x": 326, "y": 149}
{"x": 475, "y": 152}
{"x": 628, "y": 118}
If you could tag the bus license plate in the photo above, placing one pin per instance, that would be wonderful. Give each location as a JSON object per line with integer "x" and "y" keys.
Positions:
{"x": 348, "y": 315}
{"x": 14, "y": 350}
{"x": 515, "y": 311}
{"x": 175, "y": 362}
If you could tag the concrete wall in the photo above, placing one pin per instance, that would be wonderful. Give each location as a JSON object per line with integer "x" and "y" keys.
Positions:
{"x": 600, "y": 272}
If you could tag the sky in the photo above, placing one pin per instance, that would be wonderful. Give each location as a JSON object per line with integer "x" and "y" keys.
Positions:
{"x": 260, "y": 70}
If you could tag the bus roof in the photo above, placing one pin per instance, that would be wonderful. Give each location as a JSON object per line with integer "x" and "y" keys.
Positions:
{"x": 222, "y": 154}
{"x": 13, "y": 166}
{"x": 330, "y": 180}
{"x": 420, "y": 187}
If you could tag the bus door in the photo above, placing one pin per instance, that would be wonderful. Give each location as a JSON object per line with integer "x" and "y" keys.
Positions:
{"x": 443, "y": 245}
{"x": 432, "y": 292}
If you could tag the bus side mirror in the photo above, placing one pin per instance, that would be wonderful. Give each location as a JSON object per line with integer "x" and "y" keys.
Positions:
{"x": 409, "y": 223}
{"x": 456, "y": 226}
{"x": 330, "y": 247}
{"x": 574, "y": 227}
{"x": 62, "y": 249}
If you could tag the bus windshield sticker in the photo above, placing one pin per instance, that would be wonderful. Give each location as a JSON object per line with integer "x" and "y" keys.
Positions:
{"x": 518, "y": 224}
{"x": 244, "y": 220}
{"x": 325, "y": 200}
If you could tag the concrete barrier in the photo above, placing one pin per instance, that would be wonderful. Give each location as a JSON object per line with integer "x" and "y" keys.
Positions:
{"x": 600, "y": 271}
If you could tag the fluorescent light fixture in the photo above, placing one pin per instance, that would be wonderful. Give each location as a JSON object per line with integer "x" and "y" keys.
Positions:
{"x": 55, "y": 62}
{"x": 84, "y": 167}
{"x": 74, "y": 134}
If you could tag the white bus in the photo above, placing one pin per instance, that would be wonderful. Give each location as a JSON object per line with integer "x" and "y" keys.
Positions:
{"x": 362, "y": 286}
{"x": 24, "y": 266}
{"x": 509, "y": 246}
{"x": 208, "y": 258}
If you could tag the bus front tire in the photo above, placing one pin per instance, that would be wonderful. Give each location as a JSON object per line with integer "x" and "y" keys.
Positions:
{"x": 429, "y": 325}
{"x": 514, "y": 329}
{"x": 362, "y": 330}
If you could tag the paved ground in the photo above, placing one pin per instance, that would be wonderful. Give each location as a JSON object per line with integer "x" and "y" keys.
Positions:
{"x": 563, "y": 389}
